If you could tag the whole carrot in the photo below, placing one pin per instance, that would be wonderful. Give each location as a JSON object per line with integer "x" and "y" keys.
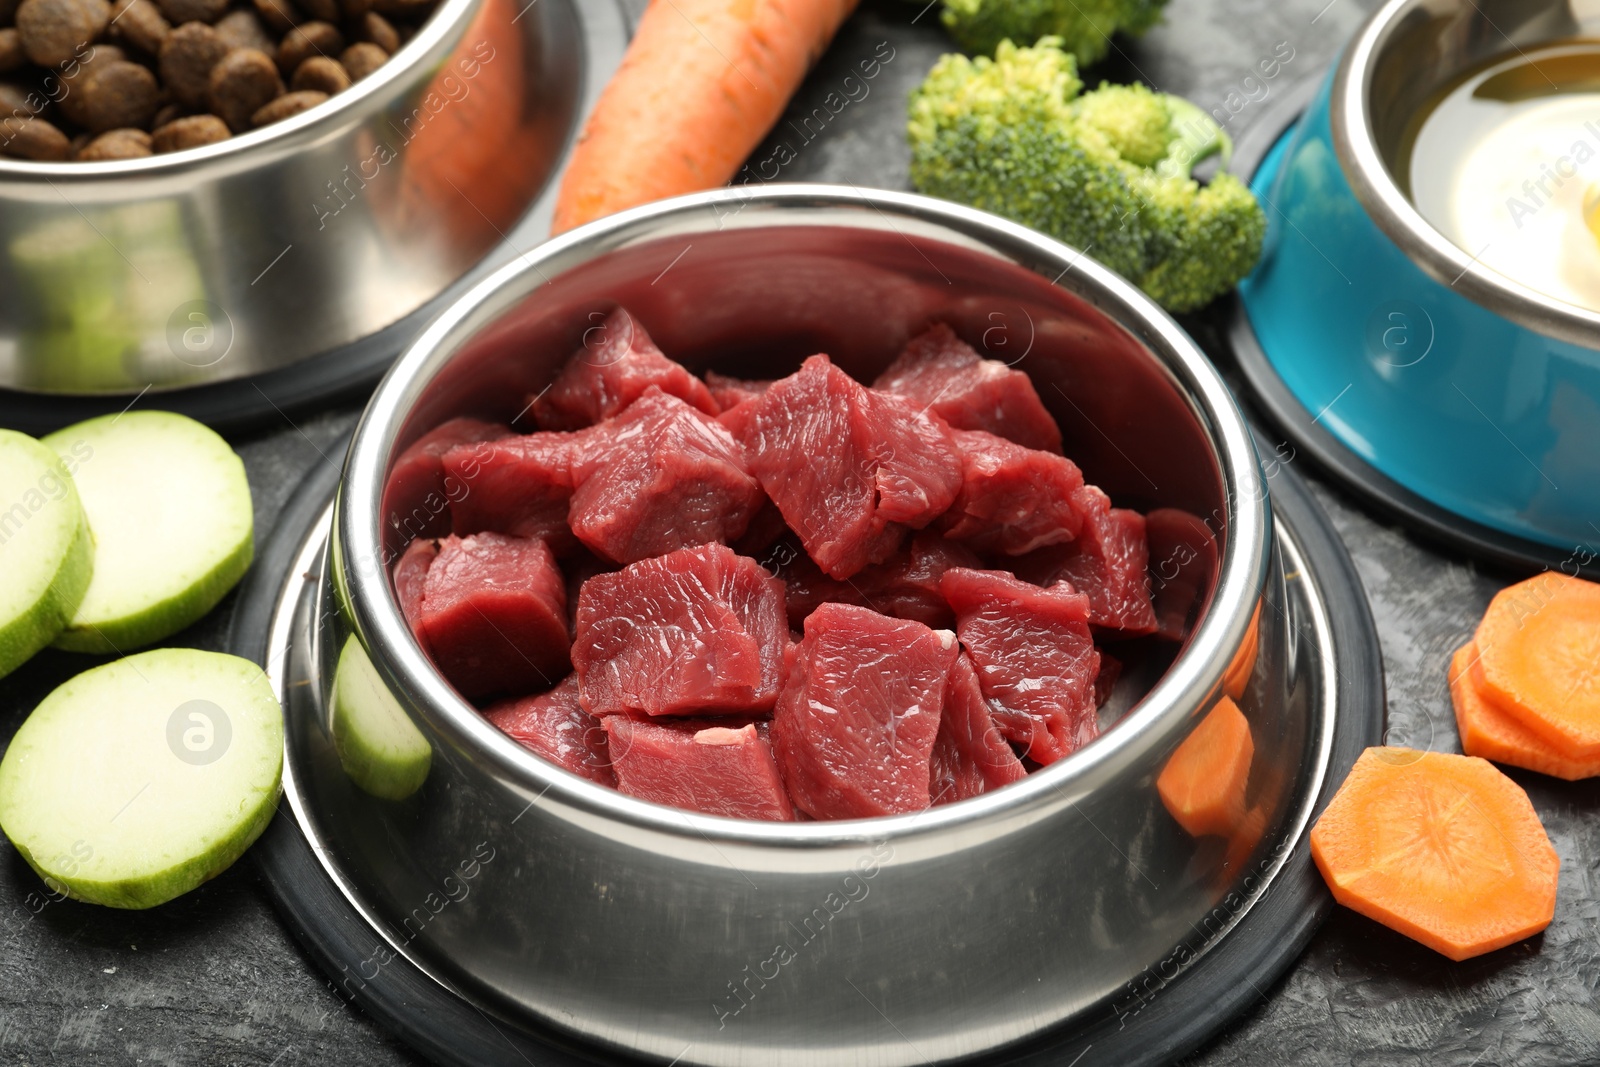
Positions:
{"x": 702, "y": 83}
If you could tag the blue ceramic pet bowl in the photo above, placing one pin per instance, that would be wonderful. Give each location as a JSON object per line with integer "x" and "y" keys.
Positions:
{"x": 1471, "y": 391}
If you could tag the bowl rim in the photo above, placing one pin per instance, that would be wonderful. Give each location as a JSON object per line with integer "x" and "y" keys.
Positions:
{"x": 363, "y": 590}
{"x": 1355, "y": 144}
{"x": 427, "y": 48}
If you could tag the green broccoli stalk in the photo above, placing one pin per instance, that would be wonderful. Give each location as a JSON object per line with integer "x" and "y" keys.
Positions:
{"x": 1105, "y": 171}
{"x": 1084, "y": 26}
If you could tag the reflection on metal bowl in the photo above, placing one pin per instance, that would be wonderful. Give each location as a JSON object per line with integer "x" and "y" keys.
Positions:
{"x": 295, "y": 239}
{"x": 557, "y": 903}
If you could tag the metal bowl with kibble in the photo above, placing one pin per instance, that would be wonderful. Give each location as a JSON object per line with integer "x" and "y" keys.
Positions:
{"x": 298, "y": 235}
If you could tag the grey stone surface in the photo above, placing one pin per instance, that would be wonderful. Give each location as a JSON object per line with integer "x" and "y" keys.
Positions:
{"x": 216, "y": 978}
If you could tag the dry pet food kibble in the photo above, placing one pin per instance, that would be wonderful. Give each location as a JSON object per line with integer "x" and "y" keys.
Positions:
{"x": 190, "y": 131}
{"x": 30, "y": 138}
{"x": 117, "y": 95}
{"x": 141, "y": 24}
{"x": 93, "y": 80}
{"x": 117, "y": 144}
{"x": 55, "y": 32}
{"x": 321, "y": 74}
{"x": 243, "y": 29}
{"x": 186, "y": 59}
{"x": 306, "y": 40}
{"x": 286, "y": 105}
{"x": 362, "y": 59}
{"x": 244, "y": 82}
{"x": 181, "y": 11}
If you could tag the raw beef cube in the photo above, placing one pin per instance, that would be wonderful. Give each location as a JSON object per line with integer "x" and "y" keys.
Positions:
{"x": 970, "y": 755}
{"x": 418, "y": 491}
{"x": 672, "y": 478}
{"x": 918, "y": 467}
{"x": 556, "y": 727}
{"x": 1013, "y": 499}
{"x": 521, "y": 486}
{"x": 905, "y": 587}
{"x": 716, "y": 770}
{"x": 854, "y": 727}
{"x": 1107, "y": 563}
{"x": 940, "y": 371}
{"x": 410, "y": 579}
{"x": 613, "y": 368}
{"x": 731, "y": 392}
{"x": 695, "y": 632}
{"x": 848, "y": 468}
{"x": 1183, "y": 564}
{"x": 736, "y": 420}
{"x": 1036, "y": 660}
{"x": 494, "y": 612}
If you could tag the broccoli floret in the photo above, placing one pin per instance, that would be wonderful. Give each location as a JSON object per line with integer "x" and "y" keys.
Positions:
{"x": 1106, "y": 171}
{"x": 1084, "y": 26}
{"x": 1135, "y": 121}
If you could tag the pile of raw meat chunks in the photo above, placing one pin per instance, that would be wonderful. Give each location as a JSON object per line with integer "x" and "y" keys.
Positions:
{"x": 800, "y": 599}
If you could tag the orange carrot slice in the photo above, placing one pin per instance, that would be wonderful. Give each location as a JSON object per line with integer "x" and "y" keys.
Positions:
{"x": 700, "y": 86}
{"x": 1489, "y": 732}
{"x": 1442, "y": 848}
{"x": 1237, "y": 680}
{"x": 1203, "y": 783}
{"x": 1539, "y": 660}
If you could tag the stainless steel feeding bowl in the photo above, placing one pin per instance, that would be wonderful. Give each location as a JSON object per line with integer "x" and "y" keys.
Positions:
{"x": 551, "y": 902}
{"x": 298, "y": 238}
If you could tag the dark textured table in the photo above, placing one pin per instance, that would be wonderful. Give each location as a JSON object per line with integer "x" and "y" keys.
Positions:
{"x": 215, "y": 977}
